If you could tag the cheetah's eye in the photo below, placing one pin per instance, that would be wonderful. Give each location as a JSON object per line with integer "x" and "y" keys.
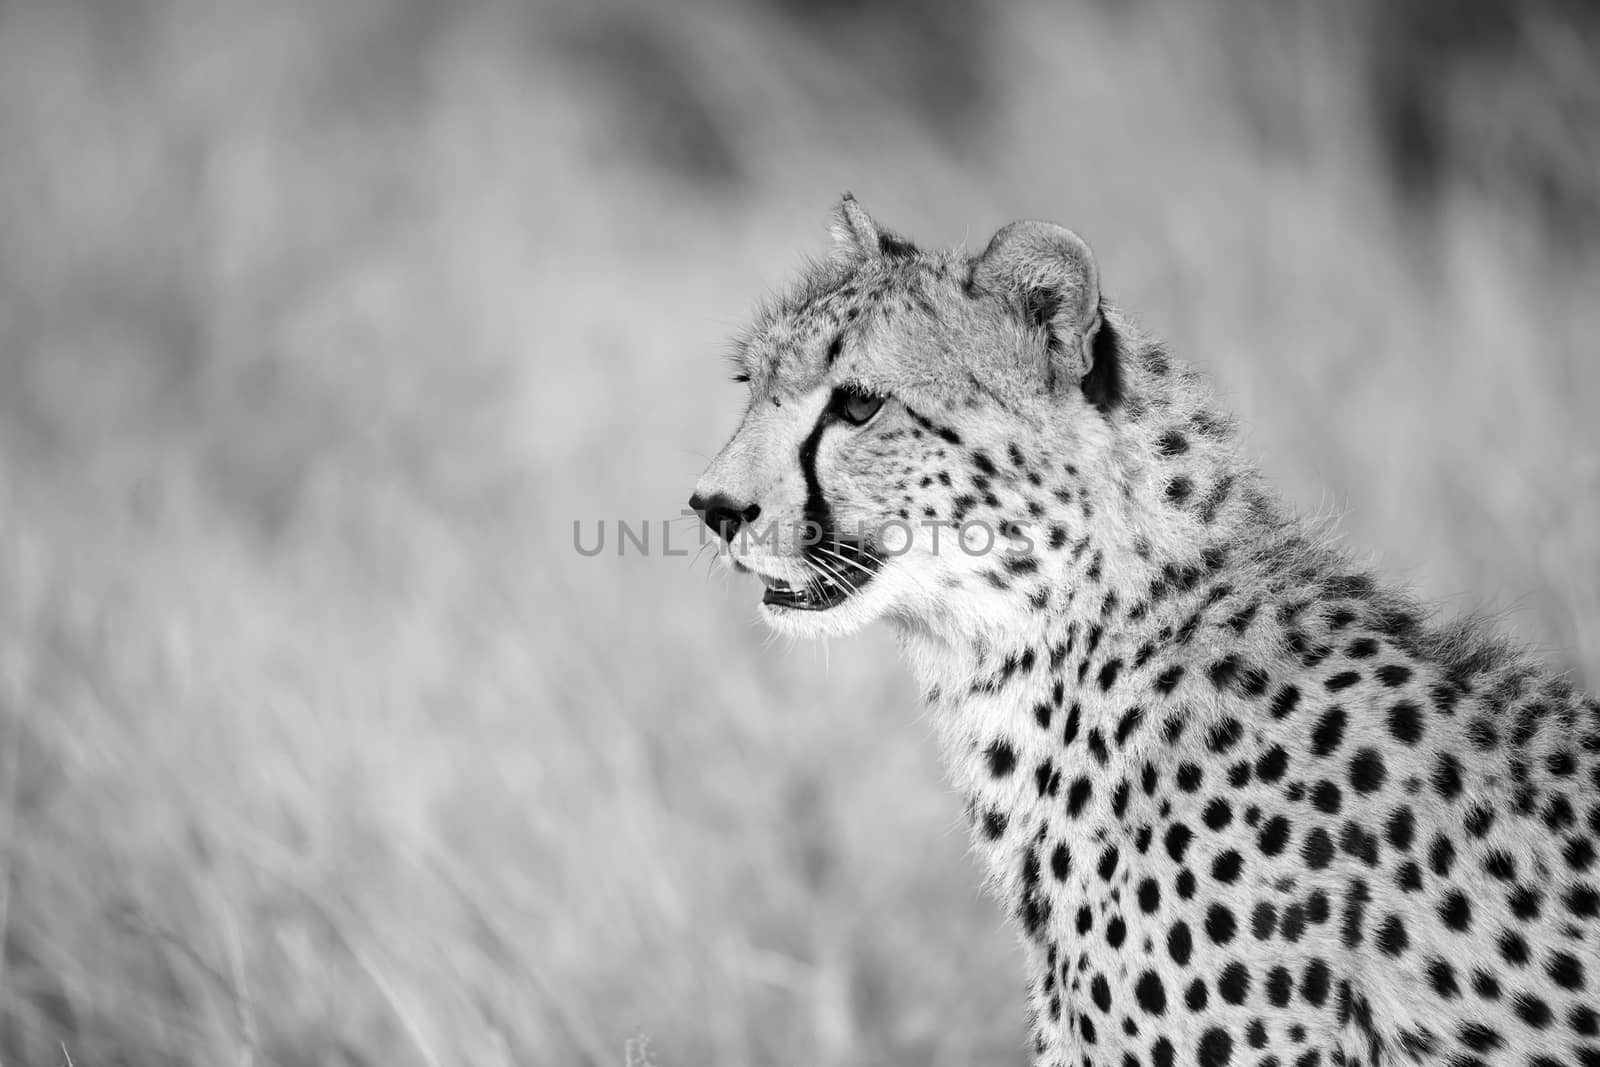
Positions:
{"x": 854, "y": 406}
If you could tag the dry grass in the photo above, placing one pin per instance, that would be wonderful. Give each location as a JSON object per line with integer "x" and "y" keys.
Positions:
{"x": 322, "y": 323}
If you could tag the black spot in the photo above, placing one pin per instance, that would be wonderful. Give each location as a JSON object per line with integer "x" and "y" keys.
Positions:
{"x": 1357, "y": 842}
{"x": 1396, "y": 622}
{"x": 1128, "y": 724}
{"x": 1240, "y": 621}
{"x": 1561, "y": 764}
{"x": 1216, "y": 1048}
{"x": 994, "y": 824}
{"x": 1108, "y": 862}
{"x": 1565, "y": 971}
{"x": 1150, "y": 993}
{"x": 1447, "y": 777}
{"x": 1479, "y": 1038}
{"x": 1441, "y": 856}
{"x": 1180, "y": 489}
{"x": 1478, "y": 821}
{"x": 1533, "y": 1011}
{"x": 1314, "y": 983}
{"x": 1180, "y": 944}
{"x": 1285, "y": 701}
{"x": 1274, "y": 836}
{"x": 1514, "y": 949}
{"x": 1002, "y": 759}
{"x": 1362, "y": 648}
{"x": 1393, "y": 674}
{"x": 1060, "y": 862}
{"x": 1178, "y": 838}
{"x": 1172, "y": 443}
{"x": 1217, "y": 814}
{"x": 1443, "y": 978}
{"x": 1342, "y": 680}
{"x": 1168, "y": 680}
{"x": 1525, "y": 902}
{"x": 1280, "y": 985}
{"x": 1225, "y": 868}
{"x": 1233, "y": 984}
{"x": 1108, "y": 674}
{"x": 1047, "y": 779}
{"x": 1220, "y": 924}
{"x": 1020, "y": 564}
{"x": 1100, "y": 993}
{"x": 1444, "y": 697}
{"x": 1328, "y": 734}
{"x": 1392, "y": 939}
{"x": 1355, "y": 905}
{"x": 1485, "y": 984}
{"x": 835, "y": 347}
{"x": 1224, "y": 735}
{"x": 1401, "y": 828}
{"x": 1583, "y": 900}
{"x": 1317, "y": 849}
{"x": 1499, "y": 864}
{"x": 1272, "y": 764}
{"x": 1326, "y": 798}
{"x": 944, "y": 433}
{"x": 1078, "y": 796}
{"x": 1097, "y": 747}
{"x": 1405, "y": 722}
{"x": 1223, "y": 671}
{"x": 1069, "y": 732}
{"x": 1367, "y": 772}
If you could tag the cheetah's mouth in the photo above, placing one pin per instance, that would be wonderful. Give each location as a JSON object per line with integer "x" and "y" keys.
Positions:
{"x": 837, "y": 569}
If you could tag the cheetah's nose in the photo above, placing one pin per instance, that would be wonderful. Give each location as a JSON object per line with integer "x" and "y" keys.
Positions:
{"x": 723, "y": 514}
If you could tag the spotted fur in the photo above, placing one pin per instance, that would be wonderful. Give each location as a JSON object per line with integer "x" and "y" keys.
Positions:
{"x": 1247, "y": 802}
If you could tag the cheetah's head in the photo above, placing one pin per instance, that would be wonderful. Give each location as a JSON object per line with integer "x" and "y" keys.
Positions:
{"x": 900, "y": 454}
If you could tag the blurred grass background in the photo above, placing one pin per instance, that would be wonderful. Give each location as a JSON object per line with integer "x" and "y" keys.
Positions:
{"x": 320, "y": 324}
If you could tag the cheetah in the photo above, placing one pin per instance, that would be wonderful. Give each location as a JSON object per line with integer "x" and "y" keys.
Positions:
{"x": 1245, "y": 802}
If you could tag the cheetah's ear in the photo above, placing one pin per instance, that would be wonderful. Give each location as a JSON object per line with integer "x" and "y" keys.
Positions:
{"x": 1048, "y": 274}
{"x": 856, "y": 236}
